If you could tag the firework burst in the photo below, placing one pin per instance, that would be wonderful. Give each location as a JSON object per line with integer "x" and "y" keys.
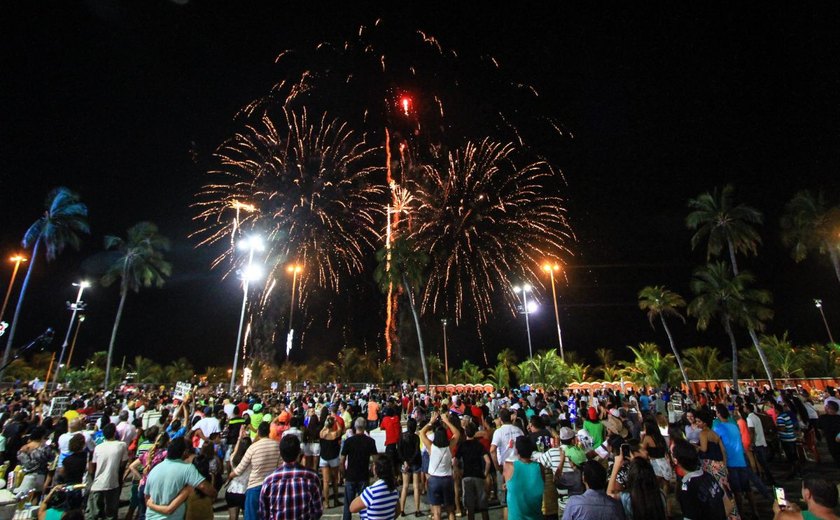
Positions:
{"x": 311, "y": 190}
{"x": 483, "y": 218}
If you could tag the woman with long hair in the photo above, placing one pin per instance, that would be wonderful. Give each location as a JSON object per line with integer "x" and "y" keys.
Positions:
{"x": 330, "y": 450}
{"x": 142, "y": 465}
{"x": 380, "y": 500}
{"x": 311, "y": 440}
{"x": 408, "y": 450}
{"x": 657, "y": 450}
{"x": 235, "y": 492}
{"x": 643, "y": 498}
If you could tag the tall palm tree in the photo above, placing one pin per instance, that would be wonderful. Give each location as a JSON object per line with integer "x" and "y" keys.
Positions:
{"x": 63, "y": 220}
{"x": 140, "y": 263}
{"x": 808, "y": 224}
{"x": 716, "y": 218}
{"x": 721, "y": 295}
{"x": 470, "y": 373}
{"x": 402, "y": 266}
{"x": 650, "y": 368}
{"x": 705, "y": 363}
{"x": 499, "y": 377}
{"x": 659, "y": 302}
{"x": 608, "y": 369}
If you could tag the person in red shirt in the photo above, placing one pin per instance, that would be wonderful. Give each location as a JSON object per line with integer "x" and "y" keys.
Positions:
{"x": 391, "y": 425}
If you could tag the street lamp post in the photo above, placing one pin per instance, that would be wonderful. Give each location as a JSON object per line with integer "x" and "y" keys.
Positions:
{"x": 251, "y": 272}
{"x": 550, "y": 269}
{"x": 818, "y": 304}
{"x": 17, "y": 259}
{"x": 295, "y": 270}
{"x": 524, "y": 290}
{"x": 444, "y": 322}
{"x": 75, "y": 337}
{"x": 75, "y": 307}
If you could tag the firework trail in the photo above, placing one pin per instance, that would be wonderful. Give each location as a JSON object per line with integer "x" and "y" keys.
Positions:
{"x": 313, "y": 190}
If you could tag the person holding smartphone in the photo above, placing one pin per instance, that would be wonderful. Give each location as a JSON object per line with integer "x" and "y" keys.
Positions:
{"x": 819, "y": 494}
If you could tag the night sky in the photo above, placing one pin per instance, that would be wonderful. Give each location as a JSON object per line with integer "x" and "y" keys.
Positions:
{"x": 113, "y": 99}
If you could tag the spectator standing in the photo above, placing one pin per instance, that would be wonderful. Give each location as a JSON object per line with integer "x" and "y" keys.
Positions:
{"x": 261, "y": 458}
{"x": 292, "y": 491}
{"x": 594, "y": 503}
{"x": 356, "y": 457}
{"x": 830, "y": 426}
{"x": 408, "y": 450}
{"x": 107, "y": 466}
{"x": 758, "y": 443}
{"x": 502, "y": 447}
{"x": 441, "y": 487}
{"x": 786, "y": 426}
{"x": 701, "y": 496}
{"x": 524, "y": 483}
{"x": 475, "y": 465}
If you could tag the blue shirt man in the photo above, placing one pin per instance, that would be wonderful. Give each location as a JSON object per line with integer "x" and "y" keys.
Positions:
{"x": 168, "y": 478}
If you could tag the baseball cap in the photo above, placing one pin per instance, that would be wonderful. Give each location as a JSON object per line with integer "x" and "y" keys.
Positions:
{"x": 257, "y": 407}
{"x": 566, "y": 433}
{"x": 614, "y": 412}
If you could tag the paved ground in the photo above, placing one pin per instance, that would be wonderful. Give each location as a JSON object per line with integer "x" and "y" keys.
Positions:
{"x": 826, "y": 469}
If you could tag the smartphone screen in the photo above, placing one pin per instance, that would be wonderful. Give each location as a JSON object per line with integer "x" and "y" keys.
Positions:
{"x": 780, "y": 497}
{"x": 625, "y": 450}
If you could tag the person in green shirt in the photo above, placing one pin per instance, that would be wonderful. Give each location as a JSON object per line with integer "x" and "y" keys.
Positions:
{"x": 594, "y": 427}
{"x": 256, "y": 416}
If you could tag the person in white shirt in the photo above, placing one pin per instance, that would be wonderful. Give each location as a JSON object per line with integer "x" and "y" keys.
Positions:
{"x": 502, "y": 447}
{"x": 107, "y": 466}
{"x": 206, "y": 427}
{"x": 758, "y": 443}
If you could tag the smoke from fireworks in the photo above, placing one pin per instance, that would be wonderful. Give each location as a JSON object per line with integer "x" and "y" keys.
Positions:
{"x": 313, "y": 194}
{"x": 482, "y": 219}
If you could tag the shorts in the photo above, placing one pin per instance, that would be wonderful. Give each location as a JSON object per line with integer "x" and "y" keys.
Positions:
{"x": 739, "y": 479}
{"x": 441, "y": 491}
{"x": 312, "y": 449}
{"x": 475, "y": 498}
{"x": 235, "y": 499}
{"x": 424, "y": 462}
{"x": 411, "y": 468}
{"x": 662, "y": 469}
{"x": 331, "y": 463}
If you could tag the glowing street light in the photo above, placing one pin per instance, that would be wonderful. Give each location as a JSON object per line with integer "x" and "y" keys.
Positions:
{"x": 444, "y": 322}
{"x": 294, "y": 270}
{"x": 551, "y": 269}
{"x": 527, "y": 309}
{"x": 250, "y": 273}
{"x": 819, "y": 306}
{"x": 77, "y": 306}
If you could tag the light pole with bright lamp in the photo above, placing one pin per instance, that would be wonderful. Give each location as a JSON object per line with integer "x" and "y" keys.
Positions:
{"x": 524, "y": 289}
{"x": 250, "y": 273}
{"x": 550, "y": 269}
{"x": 294, "y": 270}
{"x": 75, "y": 307}
{"x": 17, "y": 259}
{"x": 75, "y": 337}
{"x": 818, "y": 304}
{"x": 444, "y": 322}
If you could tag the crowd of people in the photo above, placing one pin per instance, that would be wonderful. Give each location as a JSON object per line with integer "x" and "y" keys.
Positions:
{"x": 600, "y": 454}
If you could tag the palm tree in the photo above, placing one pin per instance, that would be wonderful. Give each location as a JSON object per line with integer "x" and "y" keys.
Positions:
{"x": 470, "y": 373}
{"x": 147, "y": 370}
{"x": 809, "y": 224}
{"x": 787, "y": 360}
{"x": 140, "y": 263}
{"x": 499, "y": 377}
{"x": 721, "y": 295}
{"x": 64, "y": 219}
{"x": 608, "y": 369}
{"x": 716, "y": 218}
{"x": 659, "y": 302}
{"x": 402, "y": 265}
{"x": 705, "y": 363}
{"x": 650, "y": 368}
{"x": 179, "y": 370}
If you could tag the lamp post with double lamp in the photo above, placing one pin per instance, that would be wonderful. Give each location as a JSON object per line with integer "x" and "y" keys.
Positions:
{"x": 818, "y": 304}
{"x": 551, "y": 269}
{"x": 527, "y": 308}
{"x": 17, "y": 259}
{"x": 250, "y": 273}
{"x": 294, "y": 270}
{"x": 75, "y": 307}
{"x": 444, "y": 322}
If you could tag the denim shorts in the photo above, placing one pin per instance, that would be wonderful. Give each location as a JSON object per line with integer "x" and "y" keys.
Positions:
{"x": 329, "y": 463}
{"x": 441, "y": 491}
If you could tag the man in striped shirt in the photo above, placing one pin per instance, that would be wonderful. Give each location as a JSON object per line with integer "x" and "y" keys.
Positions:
{"x": 262, "y": 457}
{"x": 786, "y": 426}
{"x": 293, "y": 491}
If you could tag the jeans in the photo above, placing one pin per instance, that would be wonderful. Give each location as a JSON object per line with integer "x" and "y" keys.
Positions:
{"x": 252, "y": 503}
{"x": 103, "y": 504}
{"x": 760, "y": 453}
{"x": 351, "y": 491}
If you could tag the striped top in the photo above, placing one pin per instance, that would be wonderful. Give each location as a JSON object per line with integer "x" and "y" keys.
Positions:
{"x": 380, "y": 504}
{"x": 786, "y": 427}
{"x": 262, "y": 458}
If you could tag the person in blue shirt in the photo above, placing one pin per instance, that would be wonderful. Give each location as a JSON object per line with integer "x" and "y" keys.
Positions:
{"x": 736, "y": 460}
{"x": 644, "y": 402}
